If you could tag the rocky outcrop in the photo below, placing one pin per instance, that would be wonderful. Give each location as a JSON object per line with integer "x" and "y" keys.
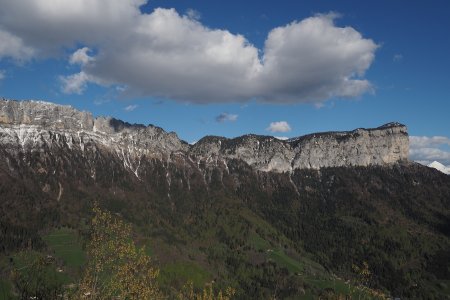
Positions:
{"x": 44, "y": 114}
{"x": 384, "y": 145}
{"x": 27, "y": 125}
{"x": 361, "y": 147}
{"x": 31, "y": 123}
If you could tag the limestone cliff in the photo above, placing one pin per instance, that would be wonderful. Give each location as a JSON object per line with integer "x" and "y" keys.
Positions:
{"x": 361, "y": 147}
{"x": 28, "y": 125}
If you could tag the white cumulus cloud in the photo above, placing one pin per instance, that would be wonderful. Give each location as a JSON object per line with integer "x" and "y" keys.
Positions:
{"x": 74, "y": 84}
{"x": 48, "y": 25}
{"x": 131, "y": 107}
{"x": 168, "y": 55}
{"x": 281, "y": 126}
{"x": 81, "y": 57}
{"x": 193, "y": 14}
{"x": 426, "y": 141}
{"x": 224, "y": 117}
{"x": 314, "y": 60}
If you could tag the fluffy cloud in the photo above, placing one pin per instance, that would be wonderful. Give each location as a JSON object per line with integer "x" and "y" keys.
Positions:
{"x": 74, "y": 84}
{"x": 13, "y": 47}
{"x": 223, "y": 117}
{"x": 131, "y": 107}
{"x": 425, "y": 141}
{"x": 168, "y": 55}
{"x": 77, "y": 83}
{"x": 193, "y": 14}
{"x": 425, "y": 149}
{"x": 281, "y": 126}
{"x": 313, "y": 60}
{"x": 80, "y": 57}
{"x": 48, "y": 25}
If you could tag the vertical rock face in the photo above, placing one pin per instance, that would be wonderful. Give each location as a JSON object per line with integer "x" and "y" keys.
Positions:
{"x": 44, "y": 114}
{"x": 362, "y": 147}
{"x": 384, "y": 145}
{"x": 27, "y": 125}
{"x": 31, "y": 123}
{"x": 263, "y": 153}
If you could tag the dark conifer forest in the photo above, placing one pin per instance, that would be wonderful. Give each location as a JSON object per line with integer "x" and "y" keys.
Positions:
{"x": 368, "y": 232}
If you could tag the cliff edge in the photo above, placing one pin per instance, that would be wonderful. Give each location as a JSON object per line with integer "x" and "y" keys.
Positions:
{"x": 28, "y": 125}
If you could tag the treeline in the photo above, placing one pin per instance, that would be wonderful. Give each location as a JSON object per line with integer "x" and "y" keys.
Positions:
{"x": 15, "y": 237}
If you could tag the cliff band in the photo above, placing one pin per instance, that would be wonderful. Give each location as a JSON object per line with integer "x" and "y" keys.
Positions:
{"x": 30, "y": 125}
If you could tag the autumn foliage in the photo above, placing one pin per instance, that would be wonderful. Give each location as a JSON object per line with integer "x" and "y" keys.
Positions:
{"x": 116, "y": 267}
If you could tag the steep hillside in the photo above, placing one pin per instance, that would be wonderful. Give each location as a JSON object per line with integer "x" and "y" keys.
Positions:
{"x": 265, "y": 216}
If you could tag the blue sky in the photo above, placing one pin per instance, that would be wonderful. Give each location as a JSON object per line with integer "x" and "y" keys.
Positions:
{"x": 234, "y": 67}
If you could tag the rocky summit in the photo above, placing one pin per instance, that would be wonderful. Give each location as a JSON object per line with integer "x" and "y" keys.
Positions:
{"x": 28, "y": 125}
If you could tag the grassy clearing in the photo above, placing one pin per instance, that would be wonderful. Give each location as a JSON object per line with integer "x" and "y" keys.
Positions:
{"x": 179, "y": 273}
{"x": 338, "y": 286}
{"x": 5, "y": 290}
{"x": 34, "y": 272}
{"x": 277, "y": 255}
{"x": 147, "y": 243}
{"x": 258, "y": 242}
{"x": 66, "y": 245}
{"x": 283, "y": 260}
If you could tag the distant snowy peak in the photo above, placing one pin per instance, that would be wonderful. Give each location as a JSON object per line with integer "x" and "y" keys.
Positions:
{"x": 440, "y": 167}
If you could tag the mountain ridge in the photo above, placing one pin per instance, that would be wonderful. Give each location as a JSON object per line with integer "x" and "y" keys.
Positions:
{"x": 387, "y": 144}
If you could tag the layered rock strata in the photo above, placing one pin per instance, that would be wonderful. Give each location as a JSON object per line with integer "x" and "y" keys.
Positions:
{"x": 27, "y": 125}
